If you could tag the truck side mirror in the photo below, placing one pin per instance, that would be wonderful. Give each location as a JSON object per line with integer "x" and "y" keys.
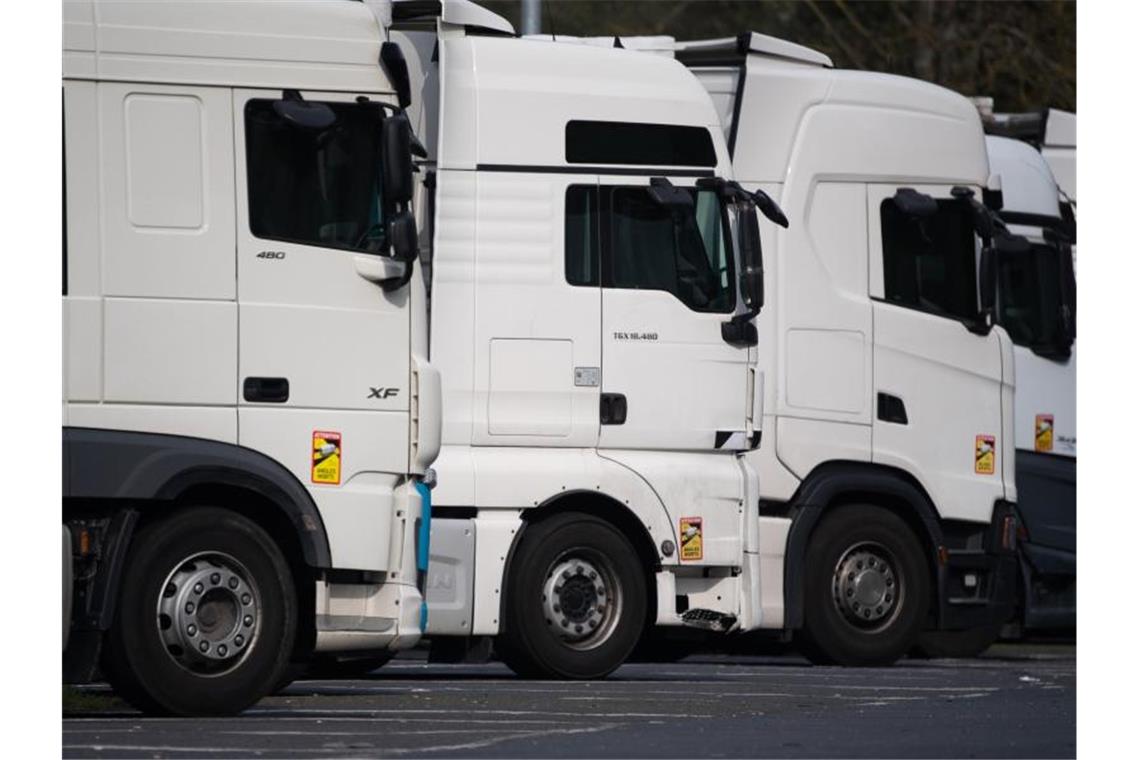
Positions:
{"x": 915, "y": 204}
{"x": 298, "y": 112}
{"x": 403, "y": 236}
{"x": 751, "y": 260}
{"x": 1068, "y": 293}
{"x": 396, "y": 155}
{"x": 987, "y": 281}
{"x": 770, "y": 209}
{"x": 665, "y": 193}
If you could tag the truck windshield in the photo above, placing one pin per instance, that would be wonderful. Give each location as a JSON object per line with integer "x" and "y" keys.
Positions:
{"x": 316, "y": 187}
{"x": 1029, "y": 298}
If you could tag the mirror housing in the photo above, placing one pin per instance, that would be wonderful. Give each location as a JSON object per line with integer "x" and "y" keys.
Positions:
{"x": 770, "y": 209}
{"x": 751, "y": 261}
{"x": 298, "y": 112}
{"x": 739, "y": 331}
{"x": 403, "y": 236}
{"x": 665, "y": 193}
{"x": 396, "y": 155}
{"x": 915, "y": 204}
{"x": 392, "y": 59}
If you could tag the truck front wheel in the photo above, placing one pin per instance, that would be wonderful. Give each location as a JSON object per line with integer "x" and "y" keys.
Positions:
{"x": 866, "y": 590}
{"x": 206, "y": 618}
{"x": 576, "y": 600}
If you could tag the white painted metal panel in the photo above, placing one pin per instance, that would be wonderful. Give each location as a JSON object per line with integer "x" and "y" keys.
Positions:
{"x": 166, "y": 351}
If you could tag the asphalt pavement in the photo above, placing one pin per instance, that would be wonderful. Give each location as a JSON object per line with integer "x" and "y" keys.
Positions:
{"x": 1015, "y": 701}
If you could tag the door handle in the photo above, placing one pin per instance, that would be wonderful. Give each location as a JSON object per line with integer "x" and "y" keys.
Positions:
{"x": 272, "y": 390}
{"x": 613, "y": 408}
{"x": 891, "y": 409}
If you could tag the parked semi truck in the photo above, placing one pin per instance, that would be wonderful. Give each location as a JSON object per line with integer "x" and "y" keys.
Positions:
{"x": 594, "y": 274}
{"x": 249, "y": 413}
{"x": 885, "y": 387}
{"x": 1036, "y": 304}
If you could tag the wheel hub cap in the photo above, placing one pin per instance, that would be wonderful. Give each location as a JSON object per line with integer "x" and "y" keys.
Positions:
{"x": 208, "y": 611}
{"x": 865, "y": 586}
{"x": 575, "y": 599}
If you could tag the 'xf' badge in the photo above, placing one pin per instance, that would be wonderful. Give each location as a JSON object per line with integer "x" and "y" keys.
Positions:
{"x": 382, "y": 392}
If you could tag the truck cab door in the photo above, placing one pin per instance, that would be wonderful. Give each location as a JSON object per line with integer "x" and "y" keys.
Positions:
{"x": 323, "y": 348}
{"x": 937, "y": 371}
{"x": 670, "y": 380}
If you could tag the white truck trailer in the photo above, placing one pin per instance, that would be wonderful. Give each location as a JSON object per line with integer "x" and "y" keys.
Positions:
{"x": 248, "y": 408}
{"x": 594, "y": 274}
{"x": 886, "y": 391}
{"x": 1036, "y": 304}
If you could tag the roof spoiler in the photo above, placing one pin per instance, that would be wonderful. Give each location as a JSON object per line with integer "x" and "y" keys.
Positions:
{"x": 462, "y": 13}
{"x": 732, "y": 50}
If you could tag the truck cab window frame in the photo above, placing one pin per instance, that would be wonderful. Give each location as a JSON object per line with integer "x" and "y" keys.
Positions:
{"x": 615, "y": 235}
{"x": 930, "y": 264}
{"x": 316, "y": 188}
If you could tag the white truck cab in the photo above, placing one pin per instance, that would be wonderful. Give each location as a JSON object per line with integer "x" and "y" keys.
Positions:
{"x": 1036, "y": 304}
{"x": 886, "y": 391}
{"x": 594, "y": 274}
{"x": 248, "y": 407}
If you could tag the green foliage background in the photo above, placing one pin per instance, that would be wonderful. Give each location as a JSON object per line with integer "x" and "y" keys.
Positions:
{"x": 1023, "y": 54}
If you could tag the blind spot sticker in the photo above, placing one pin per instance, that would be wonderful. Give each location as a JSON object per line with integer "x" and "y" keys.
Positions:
{"x": 984, "y": 454}
{"x": 1043, "y": 433}
{"x": 326, "y": 457}
{"x": 692, "y": 544}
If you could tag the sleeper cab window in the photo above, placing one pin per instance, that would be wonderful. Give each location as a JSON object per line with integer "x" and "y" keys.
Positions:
{"x": 318, "y": 187}
{"x": 930, "y": 264}
{"x": 633, "y": 144}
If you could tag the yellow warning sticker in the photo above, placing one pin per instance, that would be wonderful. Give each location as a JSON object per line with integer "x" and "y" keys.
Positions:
{"x": 692, "y": 538}
{"x": 326, "y": 457}
{"x": 1043, "y": 433}
{"x": 984, "y": 454}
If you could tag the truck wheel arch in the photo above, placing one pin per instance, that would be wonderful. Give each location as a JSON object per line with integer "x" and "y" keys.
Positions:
{"x": 835, "y": 483}
{"x": 604, "y": 507}
{"x": 122, "y": 466}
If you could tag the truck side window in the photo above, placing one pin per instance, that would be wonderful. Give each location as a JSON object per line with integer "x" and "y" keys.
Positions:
{"x": 582, "y": 235}
{"x": 683, "y": 253}
{"x": 929, "y": 264}
{"x": 313, "y": 187}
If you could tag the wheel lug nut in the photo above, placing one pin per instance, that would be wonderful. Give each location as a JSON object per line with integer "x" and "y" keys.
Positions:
{"x": 222, "y": 650}
{"x": 565, "y": 575}
{"x": 858, "y": 565}
{"x": 198, "y": 588}
{"x": 866, "y": 613}
{"x": 888, "y": 597}
{"x": 248, "y": 620}
{"x": 593, "y": 575}
{"x": 850, "y": 592}
{"x": 192, "y": 629}
{"x": 239, "y": 640}
{"x": 233, "y": 582}
{"x": 204, "y": 646}
{"x": 189, "y": 608}
{"x": 879, "y": 610}
{"x": 246, "y": 598}
{"x": 565, "y": 623}
{"x": 577, "y": 629}
{"x": 215, "y": 578}
{"x": 557, "y": 608}
{"x": 593, "y": 623}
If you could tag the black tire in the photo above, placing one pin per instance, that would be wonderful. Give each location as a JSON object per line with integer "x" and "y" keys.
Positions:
{"x": 344, "y": 667}
{"x": 957, "y": 644}
{"x": 535, "y": 648}
{"x": 863, "y": 553}
{"x": 173, "y": 560}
